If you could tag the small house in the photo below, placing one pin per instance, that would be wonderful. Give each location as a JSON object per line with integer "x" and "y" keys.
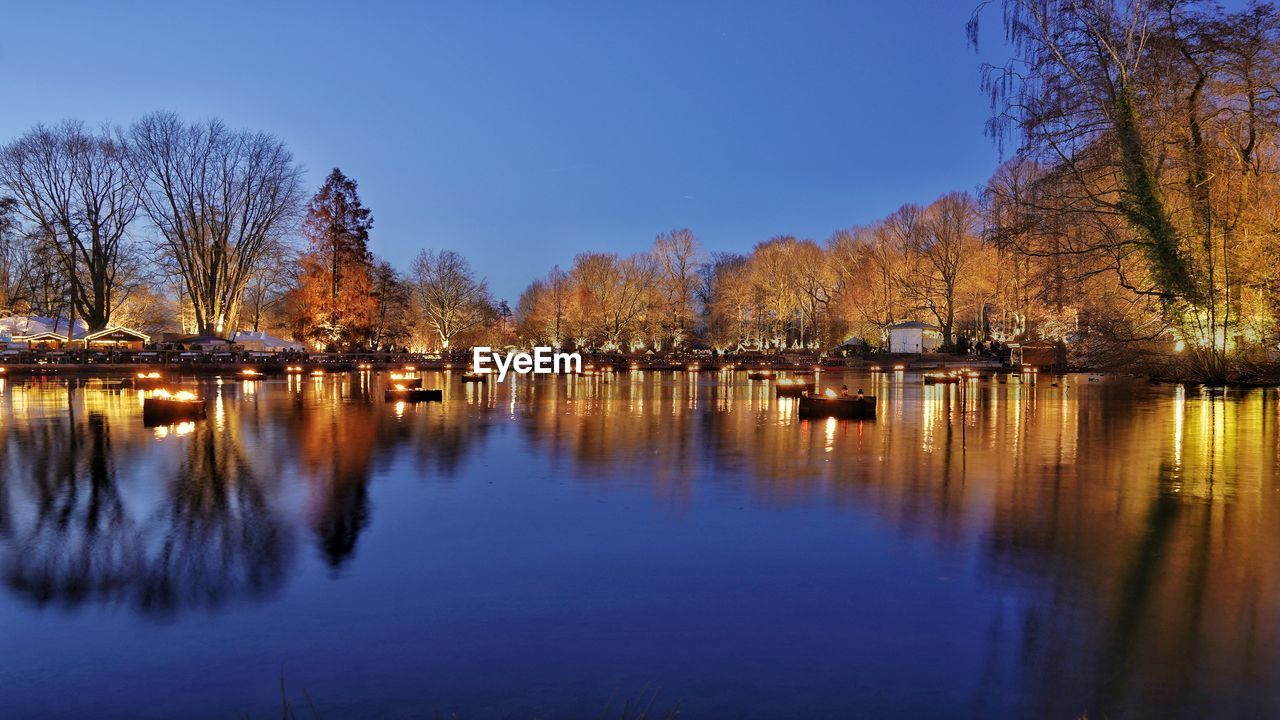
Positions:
{"x": 116, "y": 338}
{"x": 46, "y": 340}
{"x": 914, "y": 337}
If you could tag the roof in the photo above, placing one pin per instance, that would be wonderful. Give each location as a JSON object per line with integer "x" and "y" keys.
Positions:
{"x": 117, "y": 332}
{"x": 266, "y": 340}
{"x": 199, "y": 339}
{"x": 44, "y": 335}
{"x": 31, "y": 325}
{"x": 912, "y": 325}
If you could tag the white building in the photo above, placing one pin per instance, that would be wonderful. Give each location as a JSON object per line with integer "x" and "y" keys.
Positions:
{"x": 262, "y": 342}
{"x": 914, "y": 337}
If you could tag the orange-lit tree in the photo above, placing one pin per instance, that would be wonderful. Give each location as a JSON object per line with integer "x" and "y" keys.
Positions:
{"x": 335, "y": 301}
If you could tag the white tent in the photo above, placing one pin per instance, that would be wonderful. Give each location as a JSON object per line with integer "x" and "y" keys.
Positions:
{"x": 914, "y": 337}
{"x": 262, "y": 342}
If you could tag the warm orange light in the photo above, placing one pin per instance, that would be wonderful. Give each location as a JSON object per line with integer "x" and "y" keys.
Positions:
{"x": 899, "y": 367}
{"x": 829, "y": 393}
{"x": 149, "y": 376}
{"x": 400, "y": 387}
{"x": 247, "y": 372}
{"x": 317, "y": 373}
{"x": 181, "y": 395}
{"x": 875, "y": 368}
{"x": 411, "y": 368}
{"x": 293, "y": 369}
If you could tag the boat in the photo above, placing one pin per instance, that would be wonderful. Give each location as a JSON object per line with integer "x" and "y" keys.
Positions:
{"x": 939, "y": 378}
{"x": 165, "y": 408}
{"x": 832, "y": 405}
{"x": 793, "y": 387}
{"x": 407, "y": 381}
{"x": 400, "y": 393}
{"x": 759, "y": 374}
{"x": 471, "y": 377}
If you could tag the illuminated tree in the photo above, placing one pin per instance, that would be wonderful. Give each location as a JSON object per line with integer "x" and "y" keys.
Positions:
{"x": 74, "y": 188}
{"x": 221, "y": 200}
{"x": 336, "y": 303}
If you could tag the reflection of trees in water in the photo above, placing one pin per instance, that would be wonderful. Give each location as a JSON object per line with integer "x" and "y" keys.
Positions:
{"x": 208, "y": 536}
{"x": 1138, "y": 530}
{"x": 81, "y": 545}
{"x": 1152, "y": 556}
{"x": 221, "y": 538}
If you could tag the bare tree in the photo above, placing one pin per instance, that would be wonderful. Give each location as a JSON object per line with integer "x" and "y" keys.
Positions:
{"x": 450, "y": 297}
{"x": 74, "y": 187}
{"x": 676, "y": 253}
{"x": 222, "y": 200}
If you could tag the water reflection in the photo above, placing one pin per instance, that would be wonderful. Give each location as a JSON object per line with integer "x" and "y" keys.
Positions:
{"x": 1118, "y": 536}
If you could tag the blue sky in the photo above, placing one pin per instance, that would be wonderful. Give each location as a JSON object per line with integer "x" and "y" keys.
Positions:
{"x": 522, "y": 133}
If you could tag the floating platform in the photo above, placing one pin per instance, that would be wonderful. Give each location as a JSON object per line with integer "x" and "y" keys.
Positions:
{"x": 473, "y": 377}
{"x": 169, "y": 409}
{"x": 940, "y": 379}
{"x": 859, "y": 408}
{"x": 408, "y": 382}
{"x": 413, "y": 395}
{"x": 760, "y": 374}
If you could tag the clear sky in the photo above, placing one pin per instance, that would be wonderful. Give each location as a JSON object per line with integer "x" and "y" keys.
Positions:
{"x": 522, "y": 133}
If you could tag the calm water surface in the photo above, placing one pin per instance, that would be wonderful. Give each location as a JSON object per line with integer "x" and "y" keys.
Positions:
{"x": 545, "y": 549}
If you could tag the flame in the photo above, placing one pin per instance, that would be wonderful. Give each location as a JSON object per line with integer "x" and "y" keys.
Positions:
{"x": 149, "y": 376}
{"x": 181, "y": 395}
{"x": 400, "y": 387}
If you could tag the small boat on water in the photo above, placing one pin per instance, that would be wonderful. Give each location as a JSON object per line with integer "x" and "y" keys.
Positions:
{"x": 406, "y": 380}
{"x": 164, "y": 407}
{"x": 759, "y": 374}
{"x": 472, "y": 377}
{"x": 793, "y": 387}
{"x": 940, "y": 378}
{"x": 831, "y": 405}
{"x": 401, "y": 393}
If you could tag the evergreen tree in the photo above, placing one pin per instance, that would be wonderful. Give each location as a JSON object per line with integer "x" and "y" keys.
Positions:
{"x": 336, "y": 302}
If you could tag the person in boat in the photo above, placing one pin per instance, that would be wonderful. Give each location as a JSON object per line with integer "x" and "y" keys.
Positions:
{"x": 860, "y": 395}
{"x": 844, "y": 391}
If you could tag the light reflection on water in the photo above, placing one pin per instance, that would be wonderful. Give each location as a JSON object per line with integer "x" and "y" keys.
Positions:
{"x": 1033, "y": 547}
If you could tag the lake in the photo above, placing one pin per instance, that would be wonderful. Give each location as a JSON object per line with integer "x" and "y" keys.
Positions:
{"x": 558, "y": 547}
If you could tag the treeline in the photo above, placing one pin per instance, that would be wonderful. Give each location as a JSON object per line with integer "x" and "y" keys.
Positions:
{"x": 1137, "y": 221}
{"x": 921, "y": 263}
{"x": 193, "y": 227}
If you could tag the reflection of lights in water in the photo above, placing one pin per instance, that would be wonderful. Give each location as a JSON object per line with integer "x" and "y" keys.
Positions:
{"x": 400, "y": 406}
{"x": 179, "y": 430}
{"x": 1179, "y": 420}
{"x": 829, "y": 432}
{"x": 249, "y": 387}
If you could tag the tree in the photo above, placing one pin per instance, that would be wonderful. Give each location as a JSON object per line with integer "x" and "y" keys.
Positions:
{"x": 335, "y": 291}
{"x": 221, "y": 200}
{"x": 74, "y": 187}
{"x": 1161, "y": 116}
{"x": 449, "y": 296}
{"x": 940, "y": 252}
{"x": 676, "y": 254}
{"x": 391, "y": 323}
